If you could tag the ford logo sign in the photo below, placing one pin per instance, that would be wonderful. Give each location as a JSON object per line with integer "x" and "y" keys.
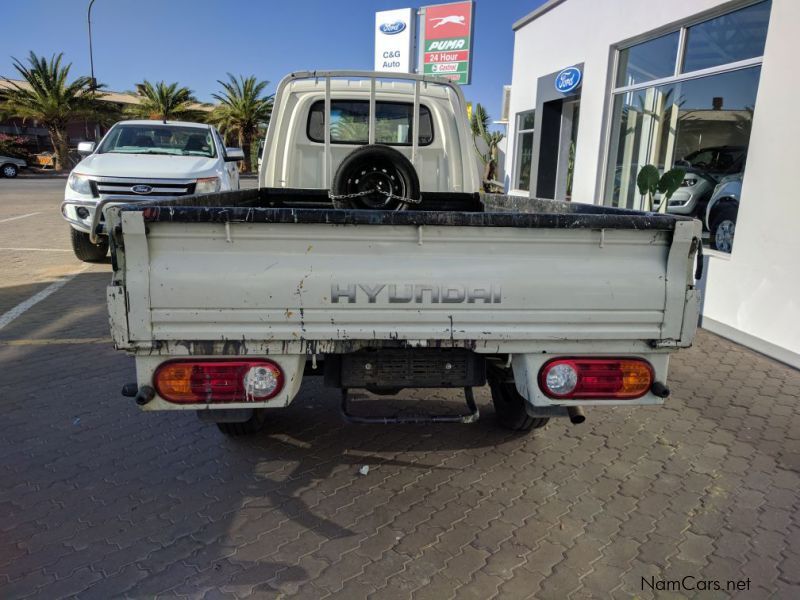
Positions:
{"x": 141, "y": 189}
{"x": 568, "y": 79}
{"x": 392, "y": 28}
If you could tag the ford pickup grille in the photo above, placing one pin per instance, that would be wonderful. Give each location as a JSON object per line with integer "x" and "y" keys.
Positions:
{"x": 142, "y": 188}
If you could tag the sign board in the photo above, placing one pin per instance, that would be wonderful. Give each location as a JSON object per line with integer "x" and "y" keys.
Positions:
{"x": 394, "y": 39}
{"x": 448, "y": 41}
{"x": 568, "y": 80}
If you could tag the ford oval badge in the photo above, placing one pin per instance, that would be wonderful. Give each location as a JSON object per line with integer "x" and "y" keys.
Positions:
{"x": 392, "y": 28}
{"x": 141, "y": 189}
{"x": 568, "y": 79}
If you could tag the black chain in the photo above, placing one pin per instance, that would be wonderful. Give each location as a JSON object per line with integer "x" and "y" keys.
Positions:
{"x": 388, "y": 195}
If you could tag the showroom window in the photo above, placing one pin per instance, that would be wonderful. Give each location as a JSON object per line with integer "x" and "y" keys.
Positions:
{"x": 524, "y": 150}
{"x": 686, "y": 99}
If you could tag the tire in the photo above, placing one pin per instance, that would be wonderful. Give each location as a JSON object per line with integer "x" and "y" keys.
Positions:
{"x": 509, "y": 407}
{"x": 375, "y": 167}
{"x": 84, "y": 249}
{"x": 723, "y": 227}
{"x": 250, "y": 427}
{"x": 9, "y": 170}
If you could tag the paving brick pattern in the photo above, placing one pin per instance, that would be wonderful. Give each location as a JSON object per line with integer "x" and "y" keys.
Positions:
{"x": 99, "y": 500}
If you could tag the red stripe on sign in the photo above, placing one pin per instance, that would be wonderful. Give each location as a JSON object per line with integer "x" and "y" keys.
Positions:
{"x": 458, "y": 56}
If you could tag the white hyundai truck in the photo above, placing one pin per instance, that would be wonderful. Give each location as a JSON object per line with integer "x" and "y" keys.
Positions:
{"x": 368, "y": 256}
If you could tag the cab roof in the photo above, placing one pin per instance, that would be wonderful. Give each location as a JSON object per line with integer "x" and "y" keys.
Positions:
{"x": 159, "y": 122}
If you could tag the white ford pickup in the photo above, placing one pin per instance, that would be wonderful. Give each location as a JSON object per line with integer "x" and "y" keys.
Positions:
{"x": 367, "y": 256}
{"x": 142, "y": 160}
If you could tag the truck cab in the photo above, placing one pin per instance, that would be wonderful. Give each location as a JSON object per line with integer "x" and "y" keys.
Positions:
{"x": 300, "y": 152}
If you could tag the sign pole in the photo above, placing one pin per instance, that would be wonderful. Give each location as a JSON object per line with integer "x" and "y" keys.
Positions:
{"x": 421, "y": 40}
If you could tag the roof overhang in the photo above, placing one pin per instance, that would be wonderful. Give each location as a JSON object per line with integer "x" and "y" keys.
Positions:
{"x": 546, "y": 7}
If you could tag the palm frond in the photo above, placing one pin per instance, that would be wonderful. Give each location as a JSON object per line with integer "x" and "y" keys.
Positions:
{"x": 162, "y": 100}
{"x": 50, "y": 97}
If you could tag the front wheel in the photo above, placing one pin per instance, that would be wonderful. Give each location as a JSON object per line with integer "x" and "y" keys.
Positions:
{"x": 509, "y": 407}
{"x": 10, "y": 170}
{"x": 84, "y": 249}
{"x": 723, "y": 228}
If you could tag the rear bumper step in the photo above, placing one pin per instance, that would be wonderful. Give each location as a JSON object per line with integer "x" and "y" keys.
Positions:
{"x": 417, "y": 417}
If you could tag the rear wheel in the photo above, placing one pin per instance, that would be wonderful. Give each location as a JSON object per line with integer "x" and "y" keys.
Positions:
{"x": 251, "y": 426}
{"x": 509, "y": 407}
{"x": 10, "y": 170}
{"x": 84, "y": 249}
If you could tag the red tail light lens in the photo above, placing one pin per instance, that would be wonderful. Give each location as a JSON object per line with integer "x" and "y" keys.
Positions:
{"x": 596, "y": 378}
{"x": 195, "y": 382}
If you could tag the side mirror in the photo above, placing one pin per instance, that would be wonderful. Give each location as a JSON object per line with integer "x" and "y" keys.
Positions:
{"x": 233, "y": 154}
{"x": 85, "y": 148}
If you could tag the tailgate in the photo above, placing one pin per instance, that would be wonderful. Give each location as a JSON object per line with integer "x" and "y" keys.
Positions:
{"x": 437, "y": 280}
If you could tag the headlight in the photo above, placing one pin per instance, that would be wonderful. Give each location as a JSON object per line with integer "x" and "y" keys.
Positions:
{"x": 207, "y": 185}
{"x": 688, "y": 182}
{"x": 80, "y": 184}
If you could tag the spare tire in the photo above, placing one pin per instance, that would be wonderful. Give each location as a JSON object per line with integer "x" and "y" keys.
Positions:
{"x": 374, "y": 177}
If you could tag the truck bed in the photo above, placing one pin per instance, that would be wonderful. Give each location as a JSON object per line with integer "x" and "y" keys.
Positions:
{"x": 280, "y": 270}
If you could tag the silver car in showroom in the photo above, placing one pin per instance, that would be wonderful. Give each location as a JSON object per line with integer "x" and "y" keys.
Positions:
{"x": 705, "y": 168}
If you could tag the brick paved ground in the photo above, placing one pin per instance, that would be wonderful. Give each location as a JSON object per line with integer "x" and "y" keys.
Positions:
{"x": 99, "y": 500}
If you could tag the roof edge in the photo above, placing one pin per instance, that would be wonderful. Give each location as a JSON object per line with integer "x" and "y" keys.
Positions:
{"x": 535, "y": 14}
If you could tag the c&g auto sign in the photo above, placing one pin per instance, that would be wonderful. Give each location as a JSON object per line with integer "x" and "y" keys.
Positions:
{"x": 448, "y": 41}
{"x": 394, "y": 37}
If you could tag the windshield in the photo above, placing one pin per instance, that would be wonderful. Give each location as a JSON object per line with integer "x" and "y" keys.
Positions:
{"x": 159, "y": 139}
{"x": 724, "y": 160}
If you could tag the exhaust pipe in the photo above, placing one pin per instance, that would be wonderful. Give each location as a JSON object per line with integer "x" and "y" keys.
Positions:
{"x": 576, "y": 415}
{"x": 145, "y": 395}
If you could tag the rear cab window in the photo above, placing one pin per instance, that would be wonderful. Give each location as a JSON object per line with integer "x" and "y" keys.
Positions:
{"x": 350, "y": 123}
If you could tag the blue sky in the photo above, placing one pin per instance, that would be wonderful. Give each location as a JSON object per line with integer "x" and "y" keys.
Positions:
{"x": 196, "y": 42}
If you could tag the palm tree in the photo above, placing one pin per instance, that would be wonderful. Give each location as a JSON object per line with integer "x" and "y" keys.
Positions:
{"x": 243, "y": 108}
{"x": 52, "y": 100}
{"x": 164, "y": 101}
{"x": 479, "y": 123}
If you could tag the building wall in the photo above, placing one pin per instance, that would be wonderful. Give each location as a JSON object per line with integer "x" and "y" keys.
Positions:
{"x": 584, "y": 31}
{"x": 752, "y": 295}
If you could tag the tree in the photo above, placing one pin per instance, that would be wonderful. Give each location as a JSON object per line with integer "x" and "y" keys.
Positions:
{"x": 479, "y": 123}
{"x": 243, "y": 108}
{"x": 52, "y": 100}
{"x": 164, "y": 101}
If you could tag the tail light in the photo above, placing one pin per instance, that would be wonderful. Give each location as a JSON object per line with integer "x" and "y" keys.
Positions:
{"x": 596, "y": 378}
{"x": 205, "y": 381}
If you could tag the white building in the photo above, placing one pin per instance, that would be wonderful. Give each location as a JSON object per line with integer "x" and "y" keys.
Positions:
{"x": 702, "y": 84}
